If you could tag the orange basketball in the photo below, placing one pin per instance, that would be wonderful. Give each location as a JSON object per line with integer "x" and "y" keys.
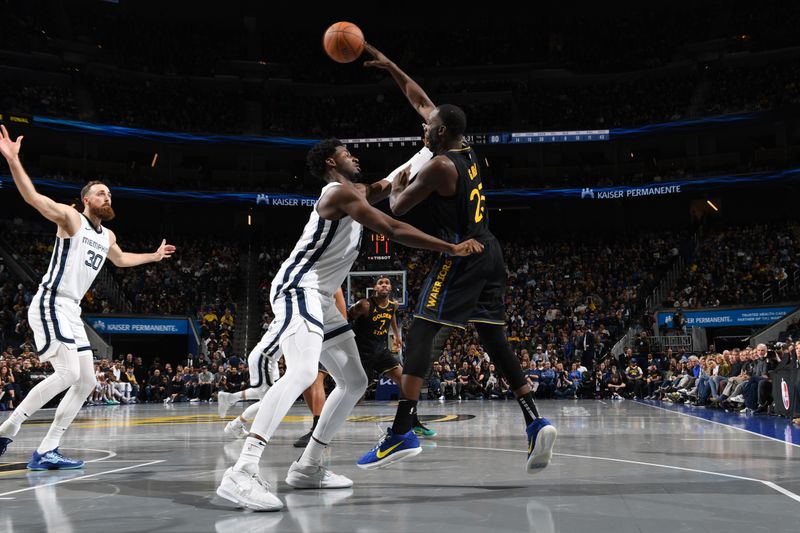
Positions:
{"x": 343, "y": 42}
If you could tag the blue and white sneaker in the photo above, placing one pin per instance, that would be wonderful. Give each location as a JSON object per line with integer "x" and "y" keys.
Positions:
{"x": 541, "y": 439}
{"x": 4, "y": 442}
{"x": 52, "y": 460}
{"x": 390, "y": 449}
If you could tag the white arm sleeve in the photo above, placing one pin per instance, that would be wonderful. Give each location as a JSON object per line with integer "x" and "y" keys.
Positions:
{"x": 416, "y": 162}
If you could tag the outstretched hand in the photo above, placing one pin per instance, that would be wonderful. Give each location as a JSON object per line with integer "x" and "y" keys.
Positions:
{"x": 164, "y": 251}
{"x": 380, "y": 61}
{"x": 9, "y": 149}
{"x": 468, "y": 247}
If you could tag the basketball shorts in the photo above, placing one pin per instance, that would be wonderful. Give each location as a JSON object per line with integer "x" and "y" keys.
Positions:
{"x": 379, "y": 361}
{"x": 56, "y": 321}
{"x": 304, "y": 308}
{"x": 465, "y": 289}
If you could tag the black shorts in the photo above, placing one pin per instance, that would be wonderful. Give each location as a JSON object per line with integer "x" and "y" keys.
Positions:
{"x": 465, "y": 289}
{"x": 378, "y": 361}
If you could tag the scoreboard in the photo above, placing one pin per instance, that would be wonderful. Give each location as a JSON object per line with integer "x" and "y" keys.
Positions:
{"x": 378, "y": 247}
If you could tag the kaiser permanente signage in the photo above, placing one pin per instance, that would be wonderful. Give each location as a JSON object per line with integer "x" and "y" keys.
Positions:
{"x": 499, "y": 196}
{"x": 629, "y": 192}
{"x": 137, "y": 325}
{"x": 716, "y": 318}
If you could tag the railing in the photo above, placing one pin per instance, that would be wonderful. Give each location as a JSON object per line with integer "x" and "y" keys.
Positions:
{"x": 655, "y": 299}
{"x": 108, "y": 289}
{"x": 785, "y": 286}
{"x": 619, "y": 348}
{"x": 661, "y": 343}
{"x": 667, "y": 282}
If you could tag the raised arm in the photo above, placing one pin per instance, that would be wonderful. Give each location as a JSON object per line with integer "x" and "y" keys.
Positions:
{"x": 402, "y": 174}
{"x": 434, "y": 176}
{"x": 345, "y": 200}
{"x": 375, "y": 192}
{"x": 65, "y": 216}
{"x": 416, "y": 96}
{"x": 126, "y": 259}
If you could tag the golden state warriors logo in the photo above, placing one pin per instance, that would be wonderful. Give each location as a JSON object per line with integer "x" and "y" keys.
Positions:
{"x": 436, "y": 288}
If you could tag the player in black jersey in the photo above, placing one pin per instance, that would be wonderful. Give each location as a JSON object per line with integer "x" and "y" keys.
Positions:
{"x": 458, "y": 290}
{"x": 371, "y": 318}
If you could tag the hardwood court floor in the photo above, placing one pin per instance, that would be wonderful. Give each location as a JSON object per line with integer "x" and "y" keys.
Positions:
{"x": 620, "y": 466}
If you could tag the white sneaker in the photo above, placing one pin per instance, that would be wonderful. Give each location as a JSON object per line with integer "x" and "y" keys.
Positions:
{"x": 194, "y": 400}
{"x": 248, "y": 490}
{"x": 738, "y": 399}
{"x": 236, "y": 429}
{"x": 225, "y": 401}
{"x": 315, "y": 477}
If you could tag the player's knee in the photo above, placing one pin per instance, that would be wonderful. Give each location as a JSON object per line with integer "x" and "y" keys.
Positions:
{"x": 357, "y": 383}
{"x": 416, "y": 366}
{"x": 302, "y": 374}
{"x": 86, "y": 385}
{"x": 68, "y": 375}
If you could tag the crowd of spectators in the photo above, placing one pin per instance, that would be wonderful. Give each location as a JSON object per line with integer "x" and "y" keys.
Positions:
{"x": 741, "y": 265}
{"x": 170, "y": 75}
{"x": 127, "y": 379}
{"x": 733, "y": 380}
{"x": 203, "y": 273}
{"x": 567, "y": 299}
{"x": 201, "y": 281}
{"x": 166, "y": 104}
{"x": 567, "y": 304}
{"x": 756, "y": 88}
{"x": 49, "y": 99}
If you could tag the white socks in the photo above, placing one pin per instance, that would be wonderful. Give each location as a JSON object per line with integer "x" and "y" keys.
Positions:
{"x": 10, "y": 427}
{"x": 251, "y": 455}
{"x": 312, "y": 455}
{"x": 52, "y": 439}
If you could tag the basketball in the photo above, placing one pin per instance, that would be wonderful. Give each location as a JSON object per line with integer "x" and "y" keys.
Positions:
{"x": 343, "y": 42}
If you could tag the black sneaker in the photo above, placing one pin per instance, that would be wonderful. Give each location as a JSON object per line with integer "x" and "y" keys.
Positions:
{"x": 302, "y": 442}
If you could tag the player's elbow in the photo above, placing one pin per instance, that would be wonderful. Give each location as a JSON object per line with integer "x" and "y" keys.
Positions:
{"x": 398, "y": 209}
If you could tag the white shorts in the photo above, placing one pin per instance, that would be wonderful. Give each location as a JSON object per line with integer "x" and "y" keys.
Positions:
{"x": 55, "y": 322}
{"x": 298, "y": 308}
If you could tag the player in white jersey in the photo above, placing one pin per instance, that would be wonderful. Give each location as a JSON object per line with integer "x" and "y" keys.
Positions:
{"x": 264, "y": 373}
{"x": 301, "y": 296}
{"x": 81, "y": 248}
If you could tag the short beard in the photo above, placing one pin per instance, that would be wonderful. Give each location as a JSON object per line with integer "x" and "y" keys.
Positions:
{"x": 104, "y": 213}
{"x": 433, "y": 143}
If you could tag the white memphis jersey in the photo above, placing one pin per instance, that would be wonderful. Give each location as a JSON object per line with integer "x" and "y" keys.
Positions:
{"x": 76, "y": 261}
{"x": 322, "y": 257}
